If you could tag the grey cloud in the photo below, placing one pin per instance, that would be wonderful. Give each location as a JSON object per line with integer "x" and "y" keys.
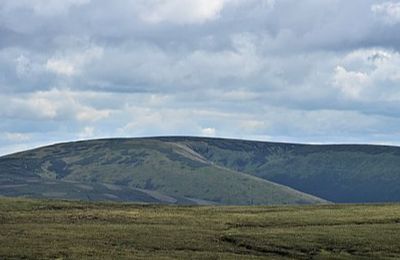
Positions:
{"x": 312, "y": 71}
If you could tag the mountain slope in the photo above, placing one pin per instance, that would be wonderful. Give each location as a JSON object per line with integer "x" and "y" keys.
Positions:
{"x": 204, "y": 170}
{"x": 338, "y": 173}
{"x": 146, "y": 170}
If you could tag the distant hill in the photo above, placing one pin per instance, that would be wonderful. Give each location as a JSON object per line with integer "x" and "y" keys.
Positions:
{"x": 149, "y": 170}
{"x": 197, "y": 170}
{"x": 338, "y": 173}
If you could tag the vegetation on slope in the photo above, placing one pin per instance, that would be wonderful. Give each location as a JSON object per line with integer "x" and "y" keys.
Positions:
{"x": 146, "y": 170}
{"x": 31, "y": 229}
{"x": 205, "y": 170}
{"x": 338, "y": 173}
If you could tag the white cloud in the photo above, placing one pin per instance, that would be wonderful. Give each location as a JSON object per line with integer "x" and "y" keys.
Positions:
{"x": 148, "y": 120}
{"x": 17, "y": 137}
{"x": 143, "y": 64}
{"x": 179, "y": 11}
{"x": 61, "y": 67}
{"x": 85, "y": 113}
{"x": 209, "y": 131}
{"x": 351, "y": 83}
{"x": 87, "y": 132}
{"x": 54, "y": 104}
{"x": 72, "y": 63}
{"x": 388, "y": 11}
{"x": 369, "y": 74}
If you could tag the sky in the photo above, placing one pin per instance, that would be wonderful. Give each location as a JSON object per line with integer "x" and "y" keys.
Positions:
{"x": 307, "y": 71}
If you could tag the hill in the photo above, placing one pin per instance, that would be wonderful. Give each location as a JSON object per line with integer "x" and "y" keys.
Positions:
{"x": 188, "y": 170}
{"x": 33, "y": 229}
{"x": 143, "y": 170}
{"x": 338, "y": 173}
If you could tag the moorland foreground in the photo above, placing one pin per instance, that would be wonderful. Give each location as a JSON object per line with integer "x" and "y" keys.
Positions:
{"x": 50, "y": 229}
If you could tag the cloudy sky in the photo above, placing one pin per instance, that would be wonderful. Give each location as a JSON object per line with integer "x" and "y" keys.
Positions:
{"x": 286, "y": 70}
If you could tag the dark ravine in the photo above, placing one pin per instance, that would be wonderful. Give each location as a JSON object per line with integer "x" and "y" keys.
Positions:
{"x": 198, "y": 170}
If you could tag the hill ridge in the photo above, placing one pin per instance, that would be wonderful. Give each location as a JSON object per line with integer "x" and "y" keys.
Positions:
{"x": 218, "y": 169}
{"x": 181, "y": 138}
{"x": 172, "y": 169}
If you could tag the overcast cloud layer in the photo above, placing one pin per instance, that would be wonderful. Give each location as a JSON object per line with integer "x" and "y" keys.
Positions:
{"x": 285, "y": 70}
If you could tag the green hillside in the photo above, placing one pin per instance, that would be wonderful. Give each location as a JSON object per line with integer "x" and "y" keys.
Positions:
{"x": 338, "y": 173}
{"x": 144, "y": 170}
{"x": 33, "y": 229}
{"x": 196, "y": 170}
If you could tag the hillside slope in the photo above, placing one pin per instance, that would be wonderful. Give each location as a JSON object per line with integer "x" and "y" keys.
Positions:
{"x": 338, "y": 173}
{"x": 204, "y": 170}
{"x": 144, "y": 170}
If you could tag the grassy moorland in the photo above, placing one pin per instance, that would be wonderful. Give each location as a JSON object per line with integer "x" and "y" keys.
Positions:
{"x": 43, "y": 229}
